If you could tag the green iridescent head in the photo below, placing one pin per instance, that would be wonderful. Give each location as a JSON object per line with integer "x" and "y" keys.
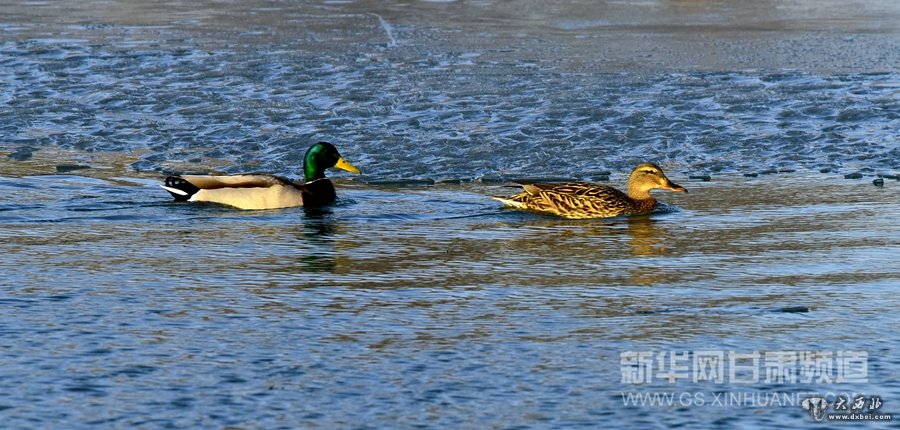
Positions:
{"x": 321, "y": 156}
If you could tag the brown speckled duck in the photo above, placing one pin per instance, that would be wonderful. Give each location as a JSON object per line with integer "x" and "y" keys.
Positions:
{"x": 261, "y": 191}
{"x": 579, "y": 200}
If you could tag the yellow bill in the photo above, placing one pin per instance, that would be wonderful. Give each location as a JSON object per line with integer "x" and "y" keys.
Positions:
{"x": 344, "y": 165}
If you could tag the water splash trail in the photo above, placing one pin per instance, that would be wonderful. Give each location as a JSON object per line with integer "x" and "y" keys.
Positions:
{"x": 387, "y": 29}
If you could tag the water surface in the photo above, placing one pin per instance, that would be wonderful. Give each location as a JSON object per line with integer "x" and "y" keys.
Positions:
{"x": 416, "y": 300}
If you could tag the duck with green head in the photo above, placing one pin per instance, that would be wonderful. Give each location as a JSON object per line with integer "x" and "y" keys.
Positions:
{"x": 580, "y": 200}
{"x": 263, "y": 191}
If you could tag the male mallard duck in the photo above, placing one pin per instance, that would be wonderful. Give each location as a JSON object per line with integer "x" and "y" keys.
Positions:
{"x": 260, "y": 191}
{"x": 586, "y": 200}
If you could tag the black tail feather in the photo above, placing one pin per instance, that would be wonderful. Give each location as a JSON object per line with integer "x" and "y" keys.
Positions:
{"x": 179, "y": 183}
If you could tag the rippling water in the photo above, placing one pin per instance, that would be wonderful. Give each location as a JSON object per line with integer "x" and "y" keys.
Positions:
{"x": 414, "y": 120}
{"x": 416, "y": 301}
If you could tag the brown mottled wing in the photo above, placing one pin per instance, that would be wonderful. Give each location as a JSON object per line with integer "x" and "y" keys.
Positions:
{"x": 577, "y": 200}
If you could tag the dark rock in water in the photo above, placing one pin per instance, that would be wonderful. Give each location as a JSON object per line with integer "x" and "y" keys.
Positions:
{"x": 170, "y": 172}
{"x": 148, "y": 166}
{"x": 825, "y": 170}
{"x": 879, "y": 182}
{"x": 449, "y": 181}
{"x": 768, "y": 172}
{"x": 854, "y": 175}
{"x": 751, "y": 175}
{"x": 22, "y": 153}
{"x": 787, "y": 171}
{"x": 65, "y": 168}
{"x": 793, "y": 309}
{"x": 597, "y": 176}
{"x": 887, "y": 176}
{"x": 599, "y": 173}
{"x": 541, "y": 180}
{"x": 401, "y": 182}
{"x": 704, "y": 178}
{"x": 491, "y": 179}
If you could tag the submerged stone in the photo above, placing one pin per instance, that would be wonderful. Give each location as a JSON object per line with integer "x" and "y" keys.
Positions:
{"x": 854, "y": 175}
{"x": 22, "y": 154}
{"x": 793, "y": 309}
{"x": 401, "y": 182}
{"x": 65, "y": 168}
{"x": 879, "y": 182}
{"x": 489, "y": 179}
{"x": 541, "y": 179}
{"x": 449, "y": 181}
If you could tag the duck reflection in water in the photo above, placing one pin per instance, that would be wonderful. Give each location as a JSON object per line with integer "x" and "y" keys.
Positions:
{"x": 645, "y": 236}
{"x": 645, "y": 239}
{"x": 600, "y": 252}
{"x": 319, "y": 230}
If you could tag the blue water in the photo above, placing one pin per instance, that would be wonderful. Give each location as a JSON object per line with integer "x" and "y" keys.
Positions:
{"x": 262, "y": 110}
{"x": 416, "y": 301}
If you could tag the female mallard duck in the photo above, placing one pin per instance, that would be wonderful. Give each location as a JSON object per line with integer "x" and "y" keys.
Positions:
{"x": 585, "y": 200}
{"x": 265, "y": 191}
